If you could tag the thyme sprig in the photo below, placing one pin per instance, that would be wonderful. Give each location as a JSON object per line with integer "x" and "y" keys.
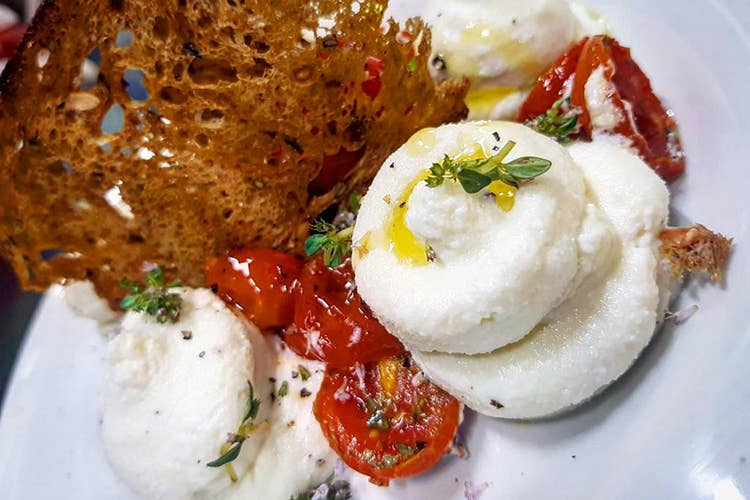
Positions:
{"x": 475, "y": 175}
{"x": 559, "y": 122}
{"x": 334, "y": 239}
{"x": 154, "y": 297}
{"x": 231, "y": 449}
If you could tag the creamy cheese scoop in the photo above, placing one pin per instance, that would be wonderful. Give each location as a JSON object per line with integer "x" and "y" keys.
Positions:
{"x": 500, "y": 262}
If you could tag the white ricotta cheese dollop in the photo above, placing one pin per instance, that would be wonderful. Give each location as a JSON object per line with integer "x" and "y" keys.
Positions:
{"x": 597, "y": 333}
{"x": 500, "y": 42}
{"x": 174, "y": 392}
{"x": 496, "y": 273}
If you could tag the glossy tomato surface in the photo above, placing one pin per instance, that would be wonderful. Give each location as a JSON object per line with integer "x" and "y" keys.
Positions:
{"x": 258, "y": 282}
{"x": 644, "y": 122}
{"x": 385, "y": 419}
{"x": 332, "y": 323}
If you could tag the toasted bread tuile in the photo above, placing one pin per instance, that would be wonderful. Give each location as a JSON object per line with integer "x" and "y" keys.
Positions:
{"x": 695, "y": 249}
{"x": 228, "y": 112}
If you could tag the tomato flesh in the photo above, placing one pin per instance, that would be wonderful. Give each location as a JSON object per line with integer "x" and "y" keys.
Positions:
{"x": 332, "y": 323}
{"x": 646, "y": 123}
{"x": 385, "y": 420}
{"x": 258, "y": 282}
{"x": 334, "y": 169}
{"x": 551, "y": 85}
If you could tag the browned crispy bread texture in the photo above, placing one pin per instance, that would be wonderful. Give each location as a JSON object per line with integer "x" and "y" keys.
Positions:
{"x": 245, "y": 100}
{"x": 695, "y": 249}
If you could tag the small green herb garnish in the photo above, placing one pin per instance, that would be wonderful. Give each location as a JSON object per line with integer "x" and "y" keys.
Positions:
{"x": 559, "y": 122}
{"x": 475, "y": 175}
{"x": 376, "y": 418}
{"x": 231, "y": 449}
{"x": 284, "y": 389}
{"x": 334, "y": 239}
{"x": 154, "y": 298}
{"x": 304, "y": 373}
{"x": 331, "y": 489}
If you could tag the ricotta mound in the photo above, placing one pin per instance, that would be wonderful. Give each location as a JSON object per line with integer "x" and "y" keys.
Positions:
{"x": 497, "y": 273}
{"x": 296, "y": 456}
{"x": 592, "y": 338}
{"x": 170, "y": 401}
{"x": 500, "y": 42}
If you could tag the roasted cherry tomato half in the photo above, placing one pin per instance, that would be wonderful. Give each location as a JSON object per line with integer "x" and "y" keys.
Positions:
{"x": 385, "y": 419}
{"x": 258, "y": 282}
{"x": 645, "y": 121}
{"x": 332, "y": 323}
{"x": 551, "y": 85}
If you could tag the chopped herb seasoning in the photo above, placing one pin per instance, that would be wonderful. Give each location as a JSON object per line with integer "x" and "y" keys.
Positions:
{"x": 201, "y": 354}
{"x": 496, "y": 404}
{"x": 154, "y": 298}
{"x": 560, "y": 122}
{"x": 331, "y": 489}
{"x": 187, "y": 334}
{"x": 411, "y": 66}
{"x": 283, "y": 390}
{"x": 304, "y": 392}
{"x": 304, "y": 373}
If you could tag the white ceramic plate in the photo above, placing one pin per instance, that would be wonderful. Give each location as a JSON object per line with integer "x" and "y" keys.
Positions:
{"x": 676, "y": 426}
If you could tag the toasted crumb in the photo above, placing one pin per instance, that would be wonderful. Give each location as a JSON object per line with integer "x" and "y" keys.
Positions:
{"x": 696, "y": 249}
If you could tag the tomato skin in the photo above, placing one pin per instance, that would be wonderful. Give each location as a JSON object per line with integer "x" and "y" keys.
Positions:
{"x": 652, "y": 132}
{"x": 418, "y": 425}
{"x": 10, "y": 37}
{"x": 334, "y": 169}
{"x": 259, "y": 282}
{"x": 332, "y": 323}
{"x": 551, "y": 85}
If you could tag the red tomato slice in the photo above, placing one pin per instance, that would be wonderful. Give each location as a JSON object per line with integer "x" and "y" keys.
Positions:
{"x": 551, "y": 85}
{"x": 334, "y": 169}
{"x": 258, "y": 282}
{"x": 385, "y": 420}
{"x": 646, "y": 123}
{"x": 10, "y": 38}
{"x": 332, "y": 323}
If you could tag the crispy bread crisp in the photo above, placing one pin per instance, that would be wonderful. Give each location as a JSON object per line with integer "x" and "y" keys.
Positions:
{"x": 245, "y": 99}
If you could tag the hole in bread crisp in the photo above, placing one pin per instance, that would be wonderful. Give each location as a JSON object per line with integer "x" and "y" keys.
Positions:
{"x": 50, "y": 253}
{"x": 133, "y": 79}
{"x": 208, "y": 71}
{"x": 89, "y": 72}
{"x": 124, "y": 39}
{"x": 113, "y": 120}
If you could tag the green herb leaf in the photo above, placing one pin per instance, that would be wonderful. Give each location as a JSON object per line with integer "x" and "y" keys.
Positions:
{"x": 335, "y": 244}
{"x": 253, "y": 404}
{"x": 527, "y": 167}
{"x": 411, "y": 66}
{"x": 559, "y": 122}
{"x": 472, "y": 181}
{"x": 284, "y": 389}
{"x": 153, "y": 299}
{"x": 229, "y": 456}
{"x": 304, "y": 373}
{"x": 475, "y": 175}
{"x": 314, "y": 243}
